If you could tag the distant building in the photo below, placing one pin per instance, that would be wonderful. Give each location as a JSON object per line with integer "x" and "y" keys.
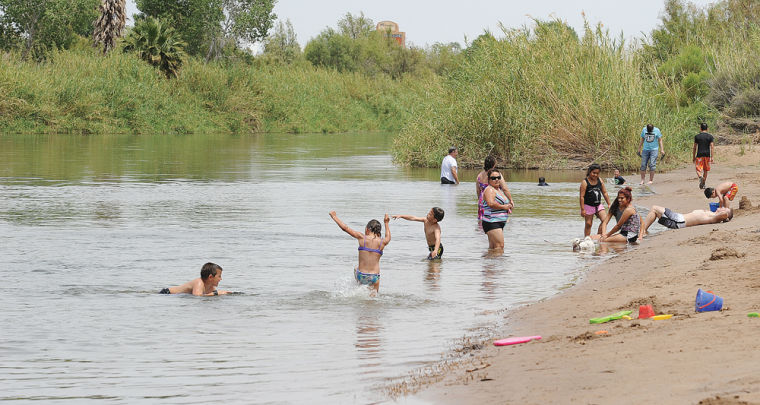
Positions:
{"x": 386, "y": 26}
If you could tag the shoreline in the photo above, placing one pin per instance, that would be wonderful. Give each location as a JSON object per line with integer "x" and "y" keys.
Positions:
{"x": 692, "y": 357}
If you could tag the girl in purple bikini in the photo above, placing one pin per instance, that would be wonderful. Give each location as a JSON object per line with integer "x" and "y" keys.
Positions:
{"x": 371, "y": 245}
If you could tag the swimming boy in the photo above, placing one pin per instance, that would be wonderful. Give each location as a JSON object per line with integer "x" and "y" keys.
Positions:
{"x": 432, "y": 230}
{"x": 725, "y": 192}
{"x": 211, "y": 275}
{"x": 618, "y": 178}
{"x": 674, "y": 220}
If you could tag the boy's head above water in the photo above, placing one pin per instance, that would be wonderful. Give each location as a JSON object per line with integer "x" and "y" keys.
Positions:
{"x": 435, "y": 214}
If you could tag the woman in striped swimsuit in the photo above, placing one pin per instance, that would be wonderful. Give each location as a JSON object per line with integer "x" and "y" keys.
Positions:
{"x": 481, "y": 182}
{"x": 495, "y": 210}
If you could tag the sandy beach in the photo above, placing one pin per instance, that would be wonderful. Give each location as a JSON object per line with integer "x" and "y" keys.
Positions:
{"x": 705, "y": 358}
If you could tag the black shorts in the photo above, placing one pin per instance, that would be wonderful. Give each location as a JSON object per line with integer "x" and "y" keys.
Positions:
{"x": 447, "y": 181}
{"x": 440, "y": 251}
{"x": 632, "y": 238}
{"x": 672, "y": 220}
{"x": 164, "y": 291}
{"x": 490, "y": 226}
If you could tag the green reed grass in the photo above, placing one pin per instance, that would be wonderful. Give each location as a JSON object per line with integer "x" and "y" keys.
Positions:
{"x": 78, "y": 91}
{"x": 544, "y": 99}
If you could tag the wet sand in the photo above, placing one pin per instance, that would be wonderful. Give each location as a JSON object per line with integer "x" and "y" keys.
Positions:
{"x": 707, "y": 358}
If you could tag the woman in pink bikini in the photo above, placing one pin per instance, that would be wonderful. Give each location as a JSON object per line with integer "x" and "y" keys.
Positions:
{"x": 371, "y": 245}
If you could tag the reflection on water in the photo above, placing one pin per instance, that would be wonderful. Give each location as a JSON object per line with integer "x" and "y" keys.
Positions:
{"x": 92, "y": 227}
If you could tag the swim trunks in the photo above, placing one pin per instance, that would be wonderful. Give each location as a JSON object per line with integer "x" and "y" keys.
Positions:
{"x": 591, "y": 210}
{"x": 702, "y": 165}
{"x": 672, "y": 220}
{"x": 732, "y": 191}
{"x": 165, "y": 291}
{"x": 366, "y": 278}
{"x": 489, "y": 226}
{"x": 440, "y": 251}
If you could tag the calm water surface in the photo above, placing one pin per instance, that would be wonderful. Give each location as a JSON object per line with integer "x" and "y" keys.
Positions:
{"x": 92, "y": 227}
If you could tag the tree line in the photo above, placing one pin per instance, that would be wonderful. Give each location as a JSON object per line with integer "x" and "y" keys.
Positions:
{"x": 166, "y": 32}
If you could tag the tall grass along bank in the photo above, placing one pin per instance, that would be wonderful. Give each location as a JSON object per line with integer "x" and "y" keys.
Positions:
{"x": 542, "y": 97}
{"x": 78, "y": 91}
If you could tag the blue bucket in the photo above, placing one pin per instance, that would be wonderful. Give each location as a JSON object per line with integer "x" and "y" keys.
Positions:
{"x": 707, "y": 301}
{"x": 714, "y": 206}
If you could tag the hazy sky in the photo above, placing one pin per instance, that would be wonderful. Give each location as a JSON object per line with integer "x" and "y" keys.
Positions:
{"x": 428, "y": 21}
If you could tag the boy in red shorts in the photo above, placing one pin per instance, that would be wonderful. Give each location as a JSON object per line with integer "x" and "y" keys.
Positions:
{"x": 725, "y": 192}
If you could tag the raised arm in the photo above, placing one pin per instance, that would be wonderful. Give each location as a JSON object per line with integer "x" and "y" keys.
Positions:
{"x": 346, "y": 228}
{"x": 387, "y": 239}
{"x": 409, "y": 218}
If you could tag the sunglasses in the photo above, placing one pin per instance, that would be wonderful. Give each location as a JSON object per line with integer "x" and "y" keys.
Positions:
{"x": 495, "y": 177}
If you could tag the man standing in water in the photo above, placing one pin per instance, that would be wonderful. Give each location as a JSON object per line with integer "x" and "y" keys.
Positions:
{"x": 649, "y": 148}
{"x": 449, "y": 167}
{"x": 211, "y": 275}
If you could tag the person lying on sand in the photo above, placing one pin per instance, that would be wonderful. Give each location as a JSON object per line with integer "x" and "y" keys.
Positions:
{"x": 211, "y": 275}
{"x": 674, "y": 220}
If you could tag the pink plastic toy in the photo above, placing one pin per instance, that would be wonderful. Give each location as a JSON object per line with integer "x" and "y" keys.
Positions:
{"x": 515, "y": 340}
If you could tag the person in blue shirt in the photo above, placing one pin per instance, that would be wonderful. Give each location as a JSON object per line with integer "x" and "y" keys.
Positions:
{"x": 649, "y": 148}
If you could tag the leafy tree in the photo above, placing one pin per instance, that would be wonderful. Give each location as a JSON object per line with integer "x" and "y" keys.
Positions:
{"x": 110, "y": 24}
{"x": 210, "y": 25}
{"x": 282, "y": 44}
{"x": 158, "y": 44}
{"x": 356, "y": 27}
{"x": 442, "y": 58}
{"x": 44, "y": 24}
{"x": 331, "y": 49}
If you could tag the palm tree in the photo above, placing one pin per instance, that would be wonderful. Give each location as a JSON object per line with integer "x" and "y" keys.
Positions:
{"x": 110, "y": 24}
{"x": 157, "y": 44}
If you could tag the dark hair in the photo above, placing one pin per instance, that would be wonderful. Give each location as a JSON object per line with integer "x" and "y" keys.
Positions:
{"x": 650, "y": 128}
{"x": 615, "y": 206}
{"x": 374, "y": 227}
{"x": 541, "y": 180}
{"x": 703, "y": 126}
{"x": 494, "y": 170}
{"x": 709, "y": 192}
{"x": 438, "y": 213}
{"x": 452, "y": 149}
{"x": 209, "y": 269}
{"x": 489, "y": 163}
{"x": 592, "y": 167}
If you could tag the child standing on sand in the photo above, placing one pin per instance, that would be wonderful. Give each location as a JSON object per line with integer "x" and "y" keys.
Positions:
{"x": 432, "y": 230}
{"x": 725, "y": 192}
{"x": 371, "y": 246}
{"x": 591, "y": 192}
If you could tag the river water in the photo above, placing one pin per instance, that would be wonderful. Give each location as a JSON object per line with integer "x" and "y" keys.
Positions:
{"x": 92, "y": 227}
